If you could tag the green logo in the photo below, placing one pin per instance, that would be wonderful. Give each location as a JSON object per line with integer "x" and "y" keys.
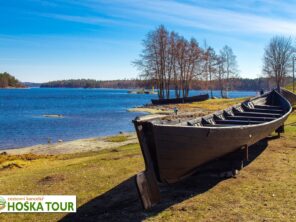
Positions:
{"x": 2, "y": 203}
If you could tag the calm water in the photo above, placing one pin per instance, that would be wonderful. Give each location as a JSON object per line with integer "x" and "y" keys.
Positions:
{"x": 87, "y": 113}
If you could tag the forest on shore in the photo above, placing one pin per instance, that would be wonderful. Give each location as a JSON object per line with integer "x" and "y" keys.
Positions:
{"x": 9, "y": 81}
{"x": 238, "y": 84}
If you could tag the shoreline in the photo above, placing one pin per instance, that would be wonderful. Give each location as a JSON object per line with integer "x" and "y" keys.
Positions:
{"x": 101, "y": 142}
{"x": 150, "y": 110}
{"x": 76, "y": 146}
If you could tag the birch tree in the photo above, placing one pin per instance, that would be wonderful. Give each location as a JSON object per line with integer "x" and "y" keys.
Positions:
{"x": 278, "y": 59}
{"x": 154, "y": 58}
{"x": 210, "y": 64}
{"x": 229, "y": 67}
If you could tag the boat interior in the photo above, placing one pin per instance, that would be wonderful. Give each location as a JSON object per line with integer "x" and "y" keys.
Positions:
{"x": 254, "y": 111}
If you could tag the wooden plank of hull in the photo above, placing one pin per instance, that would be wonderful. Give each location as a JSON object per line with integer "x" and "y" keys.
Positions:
{"x": 251, "y": 118}
{"x": 267, "y": 107}
{"x": 258, "y": 114}
{"x": 260, "y": 110}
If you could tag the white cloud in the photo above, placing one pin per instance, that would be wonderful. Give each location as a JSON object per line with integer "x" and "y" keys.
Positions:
{"x": 94, "y": 20}
{"x": 211, "y": 19}
{"x": 241, "y": 16}
{"x": 262, "y": 17}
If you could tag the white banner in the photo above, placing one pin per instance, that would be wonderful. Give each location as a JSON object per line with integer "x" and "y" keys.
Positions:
{"x": 37, "y": 203}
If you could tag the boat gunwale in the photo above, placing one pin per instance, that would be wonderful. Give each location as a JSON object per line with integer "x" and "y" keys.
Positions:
{"x": 229, "y": 108}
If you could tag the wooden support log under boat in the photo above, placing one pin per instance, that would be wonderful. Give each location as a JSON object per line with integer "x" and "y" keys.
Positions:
{"x": 280, "y": 130}
{"x": 147, "y": 189}
{"x": 174, "y": 150}
{"x": 146, "y": 181}
{"x": 246, "y": 149}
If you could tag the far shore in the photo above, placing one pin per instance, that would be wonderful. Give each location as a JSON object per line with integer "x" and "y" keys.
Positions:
{"x": 14, "y": 87}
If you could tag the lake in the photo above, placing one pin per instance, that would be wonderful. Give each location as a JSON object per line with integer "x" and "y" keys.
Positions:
{"x": 86, "y": 113}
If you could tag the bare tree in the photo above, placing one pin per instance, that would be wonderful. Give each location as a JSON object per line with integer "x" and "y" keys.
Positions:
{"x": 220, "y": 74}
{"x": 171, "y": 61}
{"x": 153, "y": 60}
{"x": 174, "y": 40}
{"x": 172, "y": 78}
{"x": 181, "y": 51}
{"x": 194, "y": 56}
{"x": 229, "y": 66}
{"x": 278, "y": 59}
{"x": 210, "y": 66}
{"x": 187, "y": 56}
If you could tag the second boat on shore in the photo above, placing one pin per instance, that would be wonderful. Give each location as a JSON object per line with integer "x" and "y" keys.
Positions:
{"x": 189, "y": 99}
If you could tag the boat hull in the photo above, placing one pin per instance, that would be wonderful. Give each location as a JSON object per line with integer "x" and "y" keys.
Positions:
{"x": 180, "y": 151}
{"x": 180, "y": 100}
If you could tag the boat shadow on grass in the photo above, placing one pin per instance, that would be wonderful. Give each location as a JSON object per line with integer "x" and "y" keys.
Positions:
{"x": 121, "y": 203}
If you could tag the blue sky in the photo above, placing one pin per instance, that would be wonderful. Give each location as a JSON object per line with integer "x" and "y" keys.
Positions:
{"x": 43, "y": 40}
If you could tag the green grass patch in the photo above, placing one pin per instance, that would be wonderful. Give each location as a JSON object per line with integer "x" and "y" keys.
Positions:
{"x": 290, "y": 87}
{"x": 117, "y": 139}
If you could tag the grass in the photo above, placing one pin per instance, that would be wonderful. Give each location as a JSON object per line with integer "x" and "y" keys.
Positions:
{"x": 290, "y": 87}
{"x": 104, "y": 185}
{"x": 215, "y": 104}
{"x": 203, "y": 106}
{"x": 117, "y": 139}
{"x": 86, "y": 175}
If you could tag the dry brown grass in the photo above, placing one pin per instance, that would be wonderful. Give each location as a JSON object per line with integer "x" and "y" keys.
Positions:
{"x": 215, "y": 104}
{"x": 204, "y": 106}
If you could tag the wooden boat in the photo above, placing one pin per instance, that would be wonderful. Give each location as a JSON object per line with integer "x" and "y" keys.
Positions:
{"x": 173, "y": 150}
{"x": 189, "y": 99}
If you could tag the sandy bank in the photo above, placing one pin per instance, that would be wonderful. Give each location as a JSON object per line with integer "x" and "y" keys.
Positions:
{"x": 75, "y": 146}
{"x": 152, "y": 110}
